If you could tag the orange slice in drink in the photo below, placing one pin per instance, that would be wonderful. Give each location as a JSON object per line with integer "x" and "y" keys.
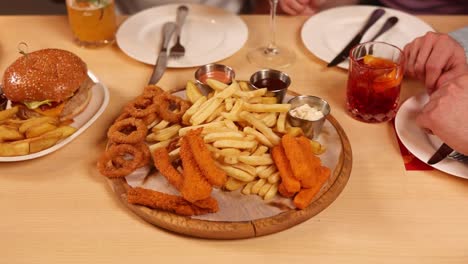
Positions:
{"x": 376, "y": 62}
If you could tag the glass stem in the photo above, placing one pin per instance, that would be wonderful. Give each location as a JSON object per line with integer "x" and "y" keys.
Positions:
{"x": 271, "y": 48}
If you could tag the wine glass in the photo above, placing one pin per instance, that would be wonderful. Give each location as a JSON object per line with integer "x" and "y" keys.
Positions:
{"x": 271, "y": 56}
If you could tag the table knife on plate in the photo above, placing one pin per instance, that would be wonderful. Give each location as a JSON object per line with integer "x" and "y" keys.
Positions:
{"x": 343, "y": 55}
{"x": 161, "y": 63}
{"x": 443, "y": 151}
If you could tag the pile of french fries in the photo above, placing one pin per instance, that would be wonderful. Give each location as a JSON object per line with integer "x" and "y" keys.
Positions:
{"x": 25, "y": 136}
{"x": 240, "y": 126}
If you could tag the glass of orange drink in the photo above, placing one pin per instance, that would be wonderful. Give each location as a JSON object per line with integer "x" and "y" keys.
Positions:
{"x": 92, "y": 21}
{"x": 376, "y": 70}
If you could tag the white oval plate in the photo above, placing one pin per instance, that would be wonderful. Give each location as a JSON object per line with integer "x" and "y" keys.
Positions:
{"x": 328, "y": 32}
{"x": 419, "y": 142}
{"x": 96, "y": 106}
{"x": 209, "y": 35}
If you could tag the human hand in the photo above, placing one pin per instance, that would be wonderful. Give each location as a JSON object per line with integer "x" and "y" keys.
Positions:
{"x": 434, "y": 59}
{"x": 298, "y": 7}
{"x": 446, "y": 114}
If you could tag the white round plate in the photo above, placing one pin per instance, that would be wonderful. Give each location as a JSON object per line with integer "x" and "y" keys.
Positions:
{"x": 327, "y": 33}
{"x": 96, "y": 106}
{"x": 209, "y": 35}
{"x": 419, "y": 142}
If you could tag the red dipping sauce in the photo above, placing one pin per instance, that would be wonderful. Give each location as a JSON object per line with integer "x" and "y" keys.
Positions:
{"x": 217, "y": 75}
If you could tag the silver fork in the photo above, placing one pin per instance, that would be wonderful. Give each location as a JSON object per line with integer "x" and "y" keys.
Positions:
{"x": 459, "y": 157}
{"x": 178, "y": 50}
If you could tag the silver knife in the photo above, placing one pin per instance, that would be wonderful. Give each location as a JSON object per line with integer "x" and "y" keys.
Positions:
{"x": 443, "y": 151}
{"x": 343, "y": 55}
{"x": 161, "y": 63}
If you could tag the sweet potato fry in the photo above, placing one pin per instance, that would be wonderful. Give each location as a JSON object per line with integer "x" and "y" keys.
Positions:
{"x": 290, "y": 184}
{"x": 204, "y": 160}
{"x": 163, "y": 164}
{"x": 305, "y": 196}
{"x": 195, "y": 187}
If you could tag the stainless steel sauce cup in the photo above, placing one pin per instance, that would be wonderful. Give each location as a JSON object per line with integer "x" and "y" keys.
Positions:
{"x": 208, "y": 69}
{"x": 311, "y": 129}
{"x": 271, "y": 74}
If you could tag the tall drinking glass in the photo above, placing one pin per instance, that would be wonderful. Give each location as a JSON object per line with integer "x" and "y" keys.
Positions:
{"x": 375, "y": 73}
{"x": 272, "y": 55}
{"x": 92, "y": 21}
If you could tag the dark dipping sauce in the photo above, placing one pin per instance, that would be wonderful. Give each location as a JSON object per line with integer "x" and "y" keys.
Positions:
{"x": 217, "y": 75}
{"x": 272, "y": 84}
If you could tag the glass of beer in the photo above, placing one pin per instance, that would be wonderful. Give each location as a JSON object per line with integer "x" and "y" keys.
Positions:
{"x": 92, "y": 21}
{"x": 375, "y": 73}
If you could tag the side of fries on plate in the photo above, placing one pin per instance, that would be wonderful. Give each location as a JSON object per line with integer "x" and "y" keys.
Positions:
{"x": 25, "y": 136}
{"x": 233, "y": 138}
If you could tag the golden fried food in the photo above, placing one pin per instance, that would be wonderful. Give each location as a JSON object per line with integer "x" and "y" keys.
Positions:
{"x": 119, "y": 160}
{"x": 128, "y": 131}
{"x": 205, "y": 162}
{"x": 296, "y": 157}
{"x": 163, "y": 164}
{"x": 313, "y": 162}
{"x": 305, "y": 196}
{"x": 167, "y": 202}
{"x": 288, "y": 181}
{"x": 195, "y": 187}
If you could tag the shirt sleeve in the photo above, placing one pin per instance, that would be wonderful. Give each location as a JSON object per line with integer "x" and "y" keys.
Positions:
{"x": 461, "y": 35}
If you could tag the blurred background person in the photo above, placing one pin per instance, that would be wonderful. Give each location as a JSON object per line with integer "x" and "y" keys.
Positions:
{"x": 310, "y": 7}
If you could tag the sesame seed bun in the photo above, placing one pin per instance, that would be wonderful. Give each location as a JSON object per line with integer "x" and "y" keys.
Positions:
{"x": 48, "y": 74}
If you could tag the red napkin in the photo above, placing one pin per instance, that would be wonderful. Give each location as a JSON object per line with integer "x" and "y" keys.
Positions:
{"x": 411, "y": 162}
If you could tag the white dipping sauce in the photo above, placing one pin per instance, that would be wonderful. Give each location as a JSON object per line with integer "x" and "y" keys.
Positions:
{"x": 306, "y": 112}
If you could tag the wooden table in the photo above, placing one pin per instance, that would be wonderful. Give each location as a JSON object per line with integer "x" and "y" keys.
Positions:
{"x": 58, "y": 209}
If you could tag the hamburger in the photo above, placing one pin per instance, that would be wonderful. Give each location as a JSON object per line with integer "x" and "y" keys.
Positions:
{"x": 48, "y": 82}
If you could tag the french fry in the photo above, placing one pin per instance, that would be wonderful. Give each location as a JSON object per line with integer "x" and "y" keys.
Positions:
{"x": 294, "y": 131}
{"x": 267, "y": 172}
{"x": 247, "y": 168}
{"x": 231, "y": 160}
{"x": 235, "y": 143}
{"x": 216, "y": 113}
{"x": 274, "y": 178}
{"x": 271, "y": 108}
{"x": 258, "y": 124}
{"x": 40, "y": 129}
{"x": 270, "y": 120}
{"x": 205, "y": 110}
{"x": 192, "y": 92}
{"x": 248, "y": 188}
{"x": 5, "y": 114}
{"x": 45, "y": 141}
{"x": 230, "y": 124}
{"x": 265, "y": 159}
{"x": 216, "y": 85}
{"x": 184, "y": 130}
{"x": 259, "y": 136}
{"x": 9, "y": 133}
{"x": 251, "y": 93}
{"x": 264, "y": 189}
{"x": 193, "y": 109}
{"x": 244, "y": 86}
{"x": 66, "y": 130}
{"x": 256, "y": 187}
{"x": 18, "y": 148}
{"x": 228, "y": 91}
{"x": 159, "y": 145}
{"x": 271, "y": 192}
{"x": 229, "y": 103}
{"x": 317, "y": 148}
{"x": 260, "y": 150}
{"x": 212, "y": 137}
{"x": 233, "y": 184}
{"x": 237, "y": 173}
{"x": 161, "y": 125}
{"x": 281, "y": 123}
{"x": 163, "y": 134}
{"x": 35, "y": 121}
{"x": 229, "y": 152}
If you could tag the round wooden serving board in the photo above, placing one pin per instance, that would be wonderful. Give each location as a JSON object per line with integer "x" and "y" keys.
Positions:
{"x": 247, "y": 229}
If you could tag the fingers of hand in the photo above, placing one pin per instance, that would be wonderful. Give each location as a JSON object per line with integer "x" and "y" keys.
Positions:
{"x": 293, "y": 7}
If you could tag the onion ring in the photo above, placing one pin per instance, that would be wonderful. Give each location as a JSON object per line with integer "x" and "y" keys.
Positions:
{"x": 152, "y": 91}
{"x": 171, "y": 108}
{"x": 129, "y": 131}
{"x": 114, "y": 163}
{"x": 141, "y": 107}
